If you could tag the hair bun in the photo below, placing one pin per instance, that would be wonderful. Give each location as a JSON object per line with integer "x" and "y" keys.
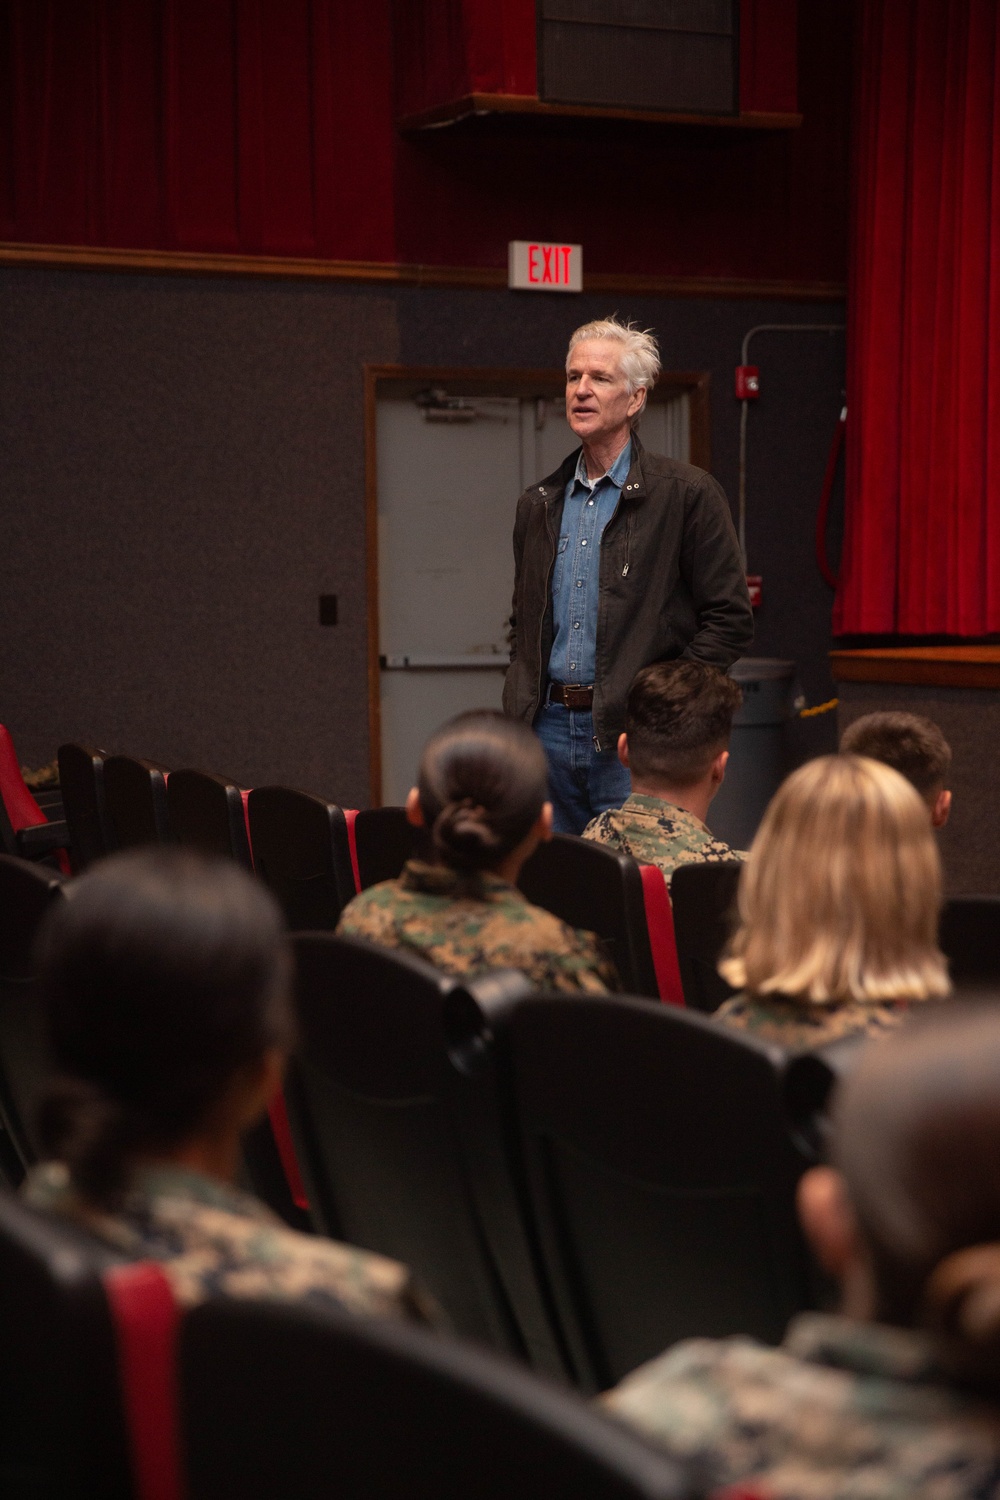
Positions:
{"x": 962, "y": 1306}
{"x": 463, "y": 836}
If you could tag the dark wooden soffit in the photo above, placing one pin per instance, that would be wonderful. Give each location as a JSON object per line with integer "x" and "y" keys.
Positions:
{"x": 927, "y": 666}
{"x": 472, "y": 106}
{"x": 392, "y": 273}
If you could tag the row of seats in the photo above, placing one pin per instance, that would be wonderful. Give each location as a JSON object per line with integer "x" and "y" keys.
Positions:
{"x": 315, "y": 856}
{"x": 109, "y": 1392}
{"x": 580, "y": 1181}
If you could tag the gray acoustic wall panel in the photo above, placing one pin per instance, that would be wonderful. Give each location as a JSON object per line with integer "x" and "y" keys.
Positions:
{"x": 182, "y": 475}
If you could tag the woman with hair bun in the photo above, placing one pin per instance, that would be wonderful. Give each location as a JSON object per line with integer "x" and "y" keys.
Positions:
{"x": 899, "y": 1395}
{"x": 481, "y": 797}
{"x": 838, "y": 908}
{"x": 166, "y": 985}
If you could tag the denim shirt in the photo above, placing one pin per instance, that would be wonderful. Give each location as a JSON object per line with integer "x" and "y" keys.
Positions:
{"x": 587, "y": 508}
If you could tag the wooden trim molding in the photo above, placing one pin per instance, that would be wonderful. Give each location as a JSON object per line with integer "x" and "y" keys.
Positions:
{"x": 924, "y": 666}
{"x": 393, "y": 273}
{"x": 473, "y": 106}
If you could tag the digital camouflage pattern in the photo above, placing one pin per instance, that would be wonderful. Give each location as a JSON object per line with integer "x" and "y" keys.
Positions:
{"x": 468, "y": 928}
{"x": 214, "y": 1241}
{"x": 842, "y": 1411}
{"x": 801, "y": 1025}
{"x": 656, "y": 832}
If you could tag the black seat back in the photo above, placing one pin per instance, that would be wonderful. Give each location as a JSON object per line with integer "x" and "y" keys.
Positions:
{"x": 597, "y": 888}
{"x": 384, "y": 840}
{"x": 969, "y": 936}
{"x": 392, "y": 1100}
{"x": 301, "y": 851}
{"x": 27, "y": 892}
{"x": 81, "y": 782}
{"x": 206, "y": 813}
{"x": 304, "y": 1403}
{"x": 703, "y": 897}
{"x": 136, "y": 796}
{"x": 62, "y": 1431}
{"x": 662, "y": 1175}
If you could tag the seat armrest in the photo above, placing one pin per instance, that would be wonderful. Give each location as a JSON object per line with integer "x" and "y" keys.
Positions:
{"x": 41, "y": 838}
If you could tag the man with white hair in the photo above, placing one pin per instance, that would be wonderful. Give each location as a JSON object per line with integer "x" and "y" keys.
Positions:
{"x": 621, "y": 558}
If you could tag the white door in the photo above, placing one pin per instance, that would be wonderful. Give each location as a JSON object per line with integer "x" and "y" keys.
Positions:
{"x": 448, "y": 483}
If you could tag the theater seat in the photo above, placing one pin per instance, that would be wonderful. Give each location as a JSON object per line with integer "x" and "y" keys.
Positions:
{"x": 661, "y": 1174}
{"x": 62, "y": 1428}
{"x": 27, "y": 892}
{"x": 265, "y": 1400}
{"x": 208, "y": 813}
{"x": 24, "y": 829}
{"x": 382, "y": 840}
{"x": 599, "y": 889}
{"x": 136, "y": 794}
{"x": 970, "y": 940}
{"x": 400, "y": 1133}
{"x": 301, "y": 850}
{"x": 703, "y": 897}
{"x": 81, "y": 783}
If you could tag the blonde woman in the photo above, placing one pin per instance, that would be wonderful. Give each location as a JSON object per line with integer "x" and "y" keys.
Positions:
{"x": 838, "y": 908}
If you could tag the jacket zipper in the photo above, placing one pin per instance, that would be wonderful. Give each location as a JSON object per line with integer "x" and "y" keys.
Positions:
{"x": 548, "y": 585}
{"x": 628, "y": 542}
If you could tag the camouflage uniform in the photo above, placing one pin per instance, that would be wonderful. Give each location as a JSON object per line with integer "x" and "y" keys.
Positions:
{"x": 842, "y": 1411}
{"x": 801, "y": 1025}
{"x": 215, "y": 1241}
{"x": 467, "y": 927}
{"x": 655, "y": 832}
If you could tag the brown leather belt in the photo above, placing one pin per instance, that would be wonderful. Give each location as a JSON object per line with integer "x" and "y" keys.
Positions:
{"x": 571, "y": 695}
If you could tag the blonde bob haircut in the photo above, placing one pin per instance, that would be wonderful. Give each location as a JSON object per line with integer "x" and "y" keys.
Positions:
{"x": 840, "y": 894}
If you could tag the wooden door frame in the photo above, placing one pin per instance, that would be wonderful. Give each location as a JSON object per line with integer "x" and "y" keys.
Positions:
{"x": 479, "y": 382}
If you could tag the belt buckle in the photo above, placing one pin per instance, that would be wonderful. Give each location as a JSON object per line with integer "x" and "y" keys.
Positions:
{"x": 577, "y": 696}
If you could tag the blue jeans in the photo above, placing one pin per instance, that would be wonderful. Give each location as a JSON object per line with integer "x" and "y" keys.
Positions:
{"x": 582, "y": 781}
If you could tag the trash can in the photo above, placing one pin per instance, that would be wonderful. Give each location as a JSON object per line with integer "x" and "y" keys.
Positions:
{"x": 757, "y": 749}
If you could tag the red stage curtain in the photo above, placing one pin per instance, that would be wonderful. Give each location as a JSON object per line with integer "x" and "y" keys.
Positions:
{"x": 922, "y": 538}
{"x": 189, "y": 125}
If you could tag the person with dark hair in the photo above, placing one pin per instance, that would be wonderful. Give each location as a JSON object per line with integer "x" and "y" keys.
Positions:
{"x": 678, "y": 719}
{"x": 912, "y": 745}
{"x": 899, "y": 1395}
{"x": 166, "y": 986}
{"x": 481, "y": 798}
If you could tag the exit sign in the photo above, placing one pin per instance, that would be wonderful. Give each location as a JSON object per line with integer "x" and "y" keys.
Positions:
{"x": 535, "y": 266}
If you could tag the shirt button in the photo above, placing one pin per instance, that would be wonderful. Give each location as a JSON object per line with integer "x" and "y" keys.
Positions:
{"x": 572, "y": 666}
{"x": 579, "y": 583}
{"x": 576, "y": 624}
{"x": 584, "y": 542}
{"x": 590, "y": 502}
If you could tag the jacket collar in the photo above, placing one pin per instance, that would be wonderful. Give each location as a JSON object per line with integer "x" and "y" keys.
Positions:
{"x": 554, "y": 485}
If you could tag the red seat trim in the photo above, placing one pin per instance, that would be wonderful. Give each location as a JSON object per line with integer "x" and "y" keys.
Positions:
{"x": 278, "y": 1115}
{"x": 22, "y": 809}
{"x": 146, "y": 1319}
{"x": 662, "y": 941}
{"x": 351, "y": 814}
{"x": 245, "y": 795}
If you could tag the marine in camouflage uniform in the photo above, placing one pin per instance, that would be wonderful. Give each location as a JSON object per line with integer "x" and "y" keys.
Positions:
{"x": 841, "y": 1411}
{"x": 801, "y": 1025}
{"x": 467, "y": 925}
{"x": 656, "y": 832}
{"x": 214, "y": 1241}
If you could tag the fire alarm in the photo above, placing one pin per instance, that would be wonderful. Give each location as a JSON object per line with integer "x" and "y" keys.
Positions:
{"x": 747, "y": 382}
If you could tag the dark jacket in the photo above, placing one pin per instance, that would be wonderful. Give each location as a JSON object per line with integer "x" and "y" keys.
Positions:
{"x": 672, "y": 584}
